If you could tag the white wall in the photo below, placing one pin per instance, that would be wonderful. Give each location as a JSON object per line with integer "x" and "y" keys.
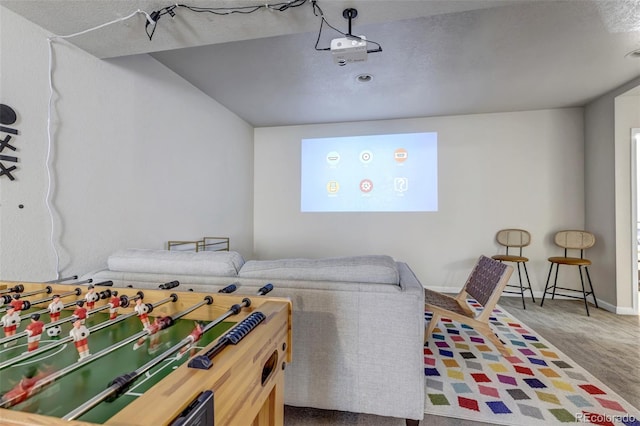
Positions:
{"x": 521, "y": 169}
{"x": 608, "y": 123}
{"x": 139, "y": 157}
{"x": 627, "y": 116}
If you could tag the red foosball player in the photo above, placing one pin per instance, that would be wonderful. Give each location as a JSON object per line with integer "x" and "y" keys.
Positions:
{"x": 80, "y": 335}
{"x": 34, "y": 331}
{"x": 142, "y": 310}
{"x": 80, "y": 313}
{"x": 91, "y": 297}
{"x": 17, "y": 304}
{"x": 23, "y": 389}
{"x": 10, "y": 322}
{"x": 114, "y": 304}
{"x": 55, "y": 307}
{"x": 195, "y": 336}
{"x": 160, "y": 323}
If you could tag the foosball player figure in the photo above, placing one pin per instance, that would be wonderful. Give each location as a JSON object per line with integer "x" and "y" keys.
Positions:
{"x": 34, "y": 331}
{"x": 195, "y": 336}
{"x": 142, "y": 310}
{"x": 80, "y": 313}
{"x": 17, "y": 304}
{"x": 80, "y": 335}
{"x": 91, "y": 297}
{"x": 114, "y": 304}
{"x": 10, "y": 322}
{"x": 55, "y": 307}
{"x": 160, "y": 323}
{"x": 22, "y": 390}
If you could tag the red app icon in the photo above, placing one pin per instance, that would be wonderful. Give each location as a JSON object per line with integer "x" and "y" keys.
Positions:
{"x": 366, "y": 185}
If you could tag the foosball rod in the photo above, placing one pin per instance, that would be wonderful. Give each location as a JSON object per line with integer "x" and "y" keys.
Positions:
{"x": 77, "y": 292}
{"x": 25, "y": 316}
{"x": 45, "y": 310}
{"x": 7, "y": 299}
{"x": 87, "y": 281}
{"x": 205, "y": 361}
{"x": 235, "y": 335}
{"x": 18, "y": 288}
{"x": 124, "y": 303}
{"x": 120, "y": 384}
{"x": 51, "y": 378}
{"x": 68, "y": 339}
{"x": 59, "y": 280}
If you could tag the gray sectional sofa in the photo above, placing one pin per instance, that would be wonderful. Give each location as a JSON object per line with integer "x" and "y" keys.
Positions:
{"x": 358, "y": 322}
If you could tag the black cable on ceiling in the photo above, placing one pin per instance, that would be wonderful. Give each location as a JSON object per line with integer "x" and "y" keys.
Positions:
{"x": 171, "y": 10}
{"x": 278, "y": 7}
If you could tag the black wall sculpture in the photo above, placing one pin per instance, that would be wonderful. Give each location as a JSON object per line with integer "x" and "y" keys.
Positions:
{"x": 7, "y": 118}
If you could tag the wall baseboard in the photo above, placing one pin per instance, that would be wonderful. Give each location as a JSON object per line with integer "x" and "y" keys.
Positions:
{"x": 538, "y": 295}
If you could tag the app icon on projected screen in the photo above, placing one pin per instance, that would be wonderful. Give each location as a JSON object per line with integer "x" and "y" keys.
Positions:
{"x": 333, "y": 187}
{"x": 366, "y": 156}
{"x": 366, "y": 185}
{"x": 400, "y": 184}
{"x": 333, "y": 158}
{"x": 400, "y": 155}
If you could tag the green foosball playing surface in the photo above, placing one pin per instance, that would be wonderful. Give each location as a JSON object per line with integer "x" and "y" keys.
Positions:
{"x": 80, "y": 385}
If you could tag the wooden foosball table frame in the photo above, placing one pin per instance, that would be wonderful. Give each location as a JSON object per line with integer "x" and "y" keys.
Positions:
{"x": 247, "y": 379}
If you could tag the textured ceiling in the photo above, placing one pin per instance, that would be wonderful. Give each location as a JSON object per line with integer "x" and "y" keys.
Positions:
{"x": 439, "y": 57}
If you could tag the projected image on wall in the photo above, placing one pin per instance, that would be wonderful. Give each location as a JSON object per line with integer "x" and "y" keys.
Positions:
{"x": 379, "y": 173}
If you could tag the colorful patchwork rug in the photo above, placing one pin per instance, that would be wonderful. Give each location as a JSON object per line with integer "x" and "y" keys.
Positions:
{"x": 467, "y": 378}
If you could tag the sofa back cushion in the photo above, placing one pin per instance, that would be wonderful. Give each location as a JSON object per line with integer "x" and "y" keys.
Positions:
{"x": 215, "y": 263}
{"x": 363, "y": 269}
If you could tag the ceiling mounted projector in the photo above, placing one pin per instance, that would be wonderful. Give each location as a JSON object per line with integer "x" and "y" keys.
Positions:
{"x": 349, "y": 49}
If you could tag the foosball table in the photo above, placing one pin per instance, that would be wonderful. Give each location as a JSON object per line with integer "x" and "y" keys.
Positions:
{"x": 94, "y": 354}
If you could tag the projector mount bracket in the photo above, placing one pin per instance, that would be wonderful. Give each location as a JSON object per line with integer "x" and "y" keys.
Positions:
{"x": 349, "y": 14}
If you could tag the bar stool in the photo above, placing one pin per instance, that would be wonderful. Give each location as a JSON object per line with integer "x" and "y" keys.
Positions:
{"x": 572, "y": 241}
{"x": 515, "y": 239}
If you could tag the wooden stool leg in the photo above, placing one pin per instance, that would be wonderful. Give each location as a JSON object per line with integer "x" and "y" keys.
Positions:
{"x": 489, "y": 334}
{"x": 432, "y": 324}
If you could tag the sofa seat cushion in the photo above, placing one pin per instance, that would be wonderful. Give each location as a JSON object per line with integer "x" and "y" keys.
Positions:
{"x": 361, "y": 269}
{"x": 217, "y": 263}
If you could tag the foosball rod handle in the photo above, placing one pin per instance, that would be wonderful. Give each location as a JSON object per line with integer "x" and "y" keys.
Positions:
{"x": 228, "y": 289}
{"x": 169, "y": 285}
{"x": 233, "y": 310}
{"x": 15, "y": 289}
{"x": 233, "y": 337}
{"x": 265, "y": 289}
